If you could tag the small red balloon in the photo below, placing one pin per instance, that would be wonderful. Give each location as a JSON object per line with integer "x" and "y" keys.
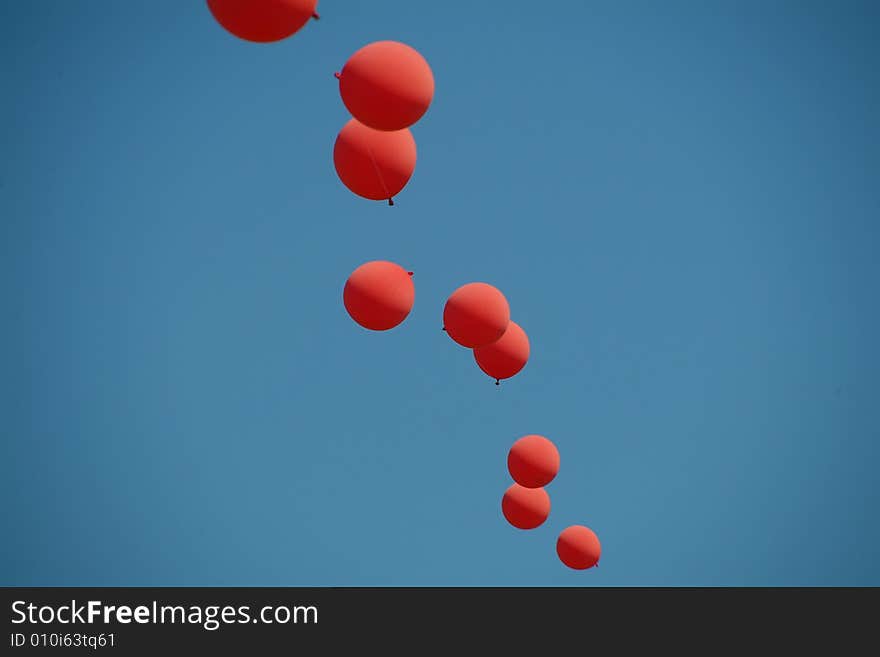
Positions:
{"x": 578, "y": 547}
{"x": 386, "y": 85}
{"x": 379, "y": 295}
{"x": 476, "y": 314}
{"x": 506, "y": 356}
{"x": 533, "y": 461}
{"x": 525, "y": 508}
{"x": 374, "y": 164}
{"x": 263, "y": 21}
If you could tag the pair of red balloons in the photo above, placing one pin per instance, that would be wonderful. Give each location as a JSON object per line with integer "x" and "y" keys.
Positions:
{"x": 386, "y": 86}
{"x": 533, "y": 462}
{"x": 263, "y": 21}
{"x": 477, "y": 315}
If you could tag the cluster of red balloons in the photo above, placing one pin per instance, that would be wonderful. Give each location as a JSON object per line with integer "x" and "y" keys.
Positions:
{"x": 379, "y": 295}
{"x": 533, "y": 462}
{"x": 387, "y": 87}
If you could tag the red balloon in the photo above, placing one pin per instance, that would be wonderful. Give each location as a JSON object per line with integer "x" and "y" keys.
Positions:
{"x": 578, "y": 547}
{"x": 525, "y": 508}
{"x": 375, "y": 164}
{"x": 476, "y": 314}
{"x": 533, "y": 461}
{"x": 386, "y": 85}
{"x": 506, "y": 356}
{"x": 379, "y": 295}
{"x": 263, "y": 21}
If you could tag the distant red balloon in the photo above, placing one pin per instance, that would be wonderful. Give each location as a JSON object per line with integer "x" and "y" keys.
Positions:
{"x": 578, "y": 547}
{"x": 263, "y": 21}
{"x": 375, "y": 164}
{"x": 379, "y": 295}
{"x": 476, "y": 314}
{"x": 386, "y": 85}
{"x": 533, "y": 461}
{"x": 525, "y": 508}
{"x": 506, "y": 356}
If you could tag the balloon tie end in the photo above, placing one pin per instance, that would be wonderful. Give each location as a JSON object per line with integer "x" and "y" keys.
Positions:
{"x": 497, "y": 382}
{"x": 337, "y": 75}
{"x": 316, "y": 16}
{"x": 410, "y": 273}
{"x": 391, "y": 201}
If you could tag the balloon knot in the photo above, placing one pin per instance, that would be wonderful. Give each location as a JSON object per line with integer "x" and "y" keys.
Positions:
{"x": 391, "y": 201}
{"x": 316, "y": 16}
{"x": 337, "y": 75}
{"x": 497, "y": 382}
{"x": 410, "y": 273}
{"x": 444, "y": 328}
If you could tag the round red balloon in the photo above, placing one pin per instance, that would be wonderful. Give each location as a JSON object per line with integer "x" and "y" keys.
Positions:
{"x": 372, "y": 163}
{"x": 533, "y": 461}
{"x": 578, "y": 547}
{"x": 506, "y": 356}
{"x": 379, "y": 295}
{"x": 386, "y": 85}
{"x": 476, "y": 314}
{"x": 525, "y": 508}
{"x": 263, "y": 21}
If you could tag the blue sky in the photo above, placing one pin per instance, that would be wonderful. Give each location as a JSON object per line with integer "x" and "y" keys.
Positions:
{"x": 681, "y": 204}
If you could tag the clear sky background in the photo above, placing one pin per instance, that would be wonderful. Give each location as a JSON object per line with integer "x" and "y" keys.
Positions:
{"x": 680, "y": 201}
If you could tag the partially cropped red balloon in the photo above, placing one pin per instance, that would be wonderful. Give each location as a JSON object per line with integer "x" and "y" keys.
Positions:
{"x": 578, "y": 547}
{"x": 525, "y": 508}
{"x": 263, "y": 21}
{"x": 506, "y": 356}
{"x": 533, "y": 461}
{"x": 379, "y": 295}
{"x": 476, "y": 314}
{"x": 374, "y": 164}
{"x": 387, "y": 85}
